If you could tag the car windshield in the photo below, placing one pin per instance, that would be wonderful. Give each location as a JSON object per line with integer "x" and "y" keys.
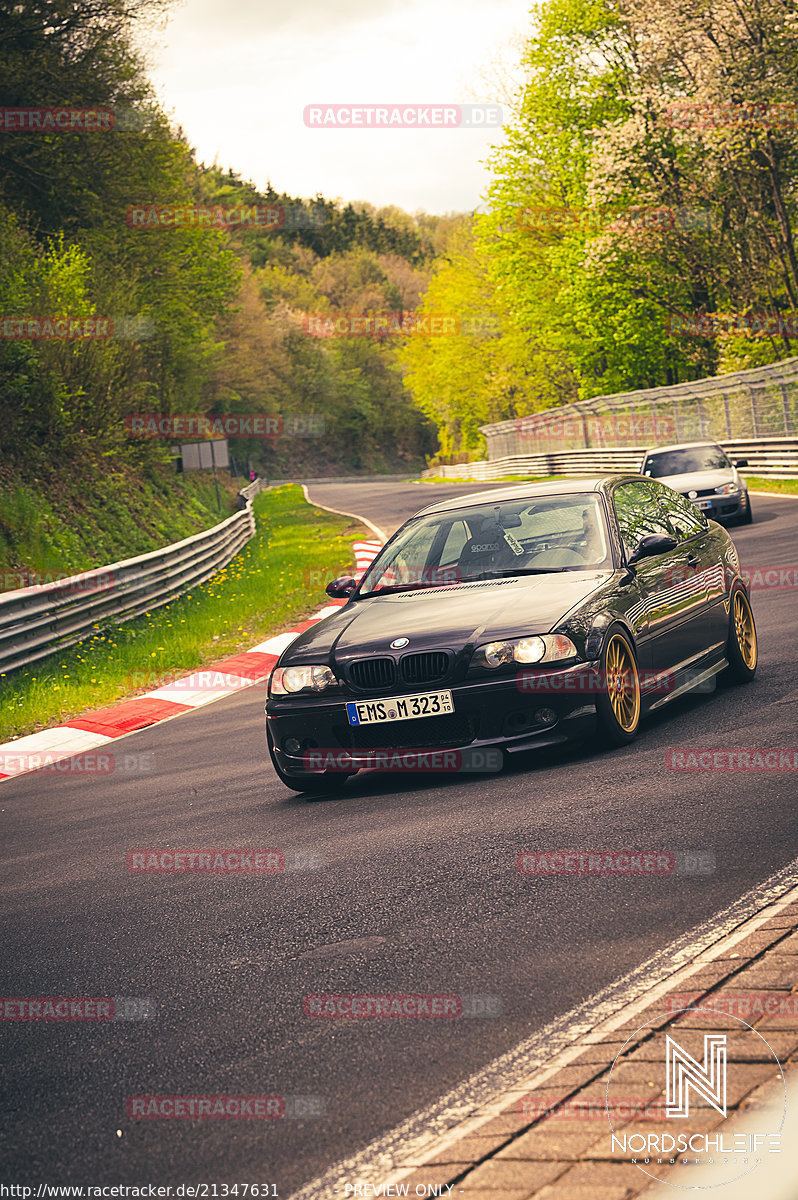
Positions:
{"x": 527, "y": 536}
{"x": 684, "y": 462}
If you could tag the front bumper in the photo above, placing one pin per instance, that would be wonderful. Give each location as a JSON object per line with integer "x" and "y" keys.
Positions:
{"x": 507, "y": 713}
{"x": 720, "y": 508}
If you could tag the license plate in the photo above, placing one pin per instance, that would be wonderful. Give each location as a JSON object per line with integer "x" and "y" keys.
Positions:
{"x": 703, "y": 503}
{"x": 399, "y": 708}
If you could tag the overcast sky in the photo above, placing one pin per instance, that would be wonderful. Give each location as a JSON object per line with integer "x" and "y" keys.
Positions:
{"x": 237, "y": 75}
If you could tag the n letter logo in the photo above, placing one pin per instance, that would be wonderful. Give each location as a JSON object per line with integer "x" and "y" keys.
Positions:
{"x": 707, "y": 1081}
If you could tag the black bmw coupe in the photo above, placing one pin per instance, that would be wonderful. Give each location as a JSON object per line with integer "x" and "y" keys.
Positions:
{"x": 500, "y": 622}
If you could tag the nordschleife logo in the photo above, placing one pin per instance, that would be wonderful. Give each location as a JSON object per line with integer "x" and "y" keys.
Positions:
{"x": 691, "y": 1116}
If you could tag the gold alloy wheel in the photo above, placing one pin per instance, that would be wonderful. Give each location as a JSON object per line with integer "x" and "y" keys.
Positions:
{"x": 623, "y": 685}
{"x": 744, "y": 630}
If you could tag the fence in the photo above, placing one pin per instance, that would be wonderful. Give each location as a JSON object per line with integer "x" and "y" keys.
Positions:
{"x": 759, "y": 405}
{"x": 776, "y": 458}
{"x": 37, "y": 621}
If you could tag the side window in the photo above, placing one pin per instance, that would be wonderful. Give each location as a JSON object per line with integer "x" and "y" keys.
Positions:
{"x": 683, "y": 517}
{"x": 639, "y": 513}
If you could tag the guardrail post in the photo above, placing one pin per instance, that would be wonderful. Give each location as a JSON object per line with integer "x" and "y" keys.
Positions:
{"x": 786, "y": 409}
{"x": 755, "y": 423}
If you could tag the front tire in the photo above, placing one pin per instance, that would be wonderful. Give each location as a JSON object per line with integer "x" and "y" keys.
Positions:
{"x": 327, "y": 781}
{"x": 618, "y": 697}
{"x": 747, "y": 515}
{"x": 742, "y": 647}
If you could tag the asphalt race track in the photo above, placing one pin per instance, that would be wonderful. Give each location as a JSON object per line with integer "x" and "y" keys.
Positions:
{"x": 415, "y": 890}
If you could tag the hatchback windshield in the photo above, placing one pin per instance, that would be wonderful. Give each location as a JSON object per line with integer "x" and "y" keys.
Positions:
{"x": 684, "y": 462}
{"x": 526, "y": 536}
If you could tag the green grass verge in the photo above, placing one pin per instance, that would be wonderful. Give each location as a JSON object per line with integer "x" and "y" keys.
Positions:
{"x": 277, "y": 579}
{"x": 787, "y": 487}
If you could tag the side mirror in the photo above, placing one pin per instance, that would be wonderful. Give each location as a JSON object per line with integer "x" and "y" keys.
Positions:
{"x": 651, "y": 546}
{"x": 741, "y": 462}
{"x": 341, "y": 588}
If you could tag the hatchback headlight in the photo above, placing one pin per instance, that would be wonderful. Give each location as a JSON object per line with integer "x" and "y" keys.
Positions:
{"x": 550, "y": 647}
{"x": 727, "y": 489}
{"x": 285, "y": 681}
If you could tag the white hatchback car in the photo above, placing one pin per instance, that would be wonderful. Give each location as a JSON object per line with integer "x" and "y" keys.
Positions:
{"x": 703, "y": 473}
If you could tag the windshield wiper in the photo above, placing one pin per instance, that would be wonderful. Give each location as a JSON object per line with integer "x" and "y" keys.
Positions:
{"x": 389, "y": 589}
{"x": 531, "y": 571}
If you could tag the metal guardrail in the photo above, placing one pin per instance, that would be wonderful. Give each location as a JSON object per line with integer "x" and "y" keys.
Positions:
{"x": 774, "y": 458}
{"x": 751, "y": 406}
{"x": 40, "y": 620}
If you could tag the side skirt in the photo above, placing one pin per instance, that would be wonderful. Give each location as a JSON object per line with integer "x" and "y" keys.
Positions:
{"x": 703, "y": 680}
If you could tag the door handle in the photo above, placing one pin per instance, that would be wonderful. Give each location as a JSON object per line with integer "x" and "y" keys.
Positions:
{"x": 692, "y": 560}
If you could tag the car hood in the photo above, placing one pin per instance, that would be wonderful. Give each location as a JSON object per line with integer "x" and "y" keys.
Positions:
{"x": 699, "y": 480}
{"x": 450, "y": 617}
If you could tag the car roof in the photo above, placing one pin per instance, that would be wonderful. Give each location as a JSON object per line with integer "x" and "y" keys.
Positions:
{"x": 682, "y": 446}
{"x": 559, "y": 487}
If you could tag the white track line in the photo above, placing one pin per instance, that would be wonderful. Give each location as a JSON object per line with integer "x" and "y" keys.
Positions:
{"x": 479, "y": 1098}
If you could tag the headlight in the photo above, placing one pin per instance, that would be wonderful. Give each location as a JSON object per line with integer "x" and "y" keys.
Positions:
{"x": 551, "y": 647}
{"x": 727, "y": 489}
{"x": 287, "y": 680}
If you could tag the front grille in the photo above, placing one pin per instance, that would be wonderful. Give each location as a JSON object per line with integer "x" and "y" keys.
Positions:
{"x": 707, "y": 492}
{"x": 425, "y": 733}
{"x": 426, "y": 667}
{"x": 370, "y": 674}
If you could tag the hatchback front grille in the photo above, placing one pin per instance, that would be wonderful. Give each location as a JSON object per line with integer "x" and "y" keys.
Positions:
{"x": 426, "y": 667}
{"x": 370, "y": 674}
